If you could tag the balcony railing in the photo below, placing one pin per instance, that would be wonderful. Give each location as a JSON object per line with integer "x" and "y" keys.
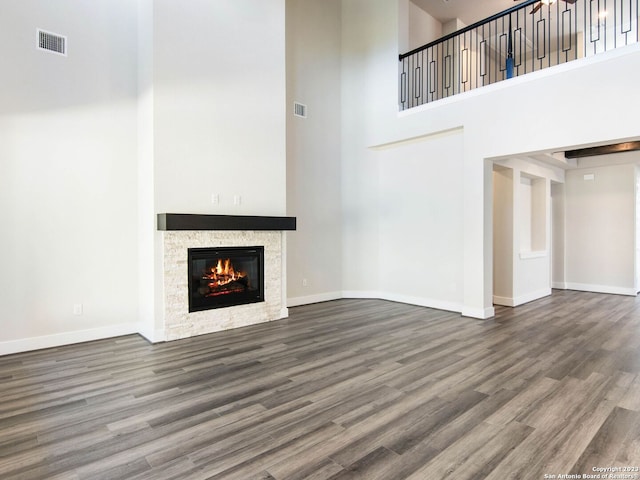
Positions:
{"x": 528, "y": 37}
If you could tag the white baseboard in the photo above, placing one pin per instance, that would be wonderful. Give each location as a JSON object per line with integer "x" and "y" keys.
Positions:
{"x": 503, "y": 301}
{"x": 153, "y": 336}
{"x": 67, "y": 338}
{"x": 309, "y": 299}
{"x": 423, "y": 302}
{"x": 393, "y": 297}
{"x": 522, "y": 299}
{"x": 408, "y": 299}
{"x": 586, "y": 287}
{"x": 559, "y": 285}
{"x": 530, "y": 297}
{"x": 373, "y": 294}
{"x": 479, "y": 313}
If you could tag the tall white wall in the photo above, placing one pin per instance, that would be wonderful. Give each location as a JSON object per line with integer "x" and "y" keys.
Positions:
{"x": 158, "y": 106}
{"x": 601, "y": 229}
{"x": 219, "y": 106}
{"x": 491, "y": 128}
{"x": 68, "y": 173}
{"x": 149, "y": 291}
{"x": 314, "y": 190}
{"x": 365, "y": 52}
{"x": 92, "y": 146}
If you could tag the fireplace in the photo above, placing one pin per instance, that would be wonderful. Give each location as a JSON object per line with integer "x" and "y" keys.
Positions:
{"x": 225, "y": 276}
{"x": 185, "y": 314}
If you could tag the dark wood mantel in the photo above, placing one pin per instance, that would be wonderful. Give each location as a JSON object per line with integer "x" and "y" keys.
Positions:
{"x": 189, "y": 221}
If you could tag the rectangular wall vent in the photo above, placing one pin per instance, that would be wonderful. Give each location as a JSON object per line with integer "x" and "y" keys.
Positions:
{"x": 52, "y": 42}
{"x": 299, "y": 110}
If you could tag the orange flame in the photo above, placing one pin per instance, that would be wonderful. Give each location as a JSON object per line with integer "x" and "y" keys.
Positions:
{"x": 223, "y": 273}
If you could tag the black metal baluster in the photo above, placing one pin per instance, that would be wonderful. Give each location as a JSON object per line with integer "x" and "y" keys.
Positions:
{"x": 433, "y": 75}
{"x": 558, "y": 34}
{"x": 604, "y": 18}
{"x": 475, "y": 56}
{"x": 402, "y": 89}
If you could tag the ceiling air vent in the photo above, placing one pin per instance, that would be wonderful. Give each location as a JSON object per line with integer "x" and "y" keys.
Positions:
{"x": 52, "y": 42}
{"x": 299, "y": 110}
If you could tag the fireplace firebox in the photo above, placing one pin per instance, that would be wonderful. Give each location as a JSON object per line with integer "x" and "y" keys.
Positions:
{"x": 225, "y": 276}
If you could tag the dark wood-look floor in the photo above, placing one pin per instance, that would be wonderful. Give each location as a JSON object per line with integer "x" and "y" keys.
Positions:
{"x": 346, "y": 389}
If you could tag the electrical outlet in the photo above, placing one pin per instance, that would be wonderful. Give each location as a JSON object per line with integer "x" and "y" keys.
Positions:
{"x": 215, "y": 198}
{"x": 77, "y": 309}
{"x": 237, "y": 200}
{"x": 305, "y": 282}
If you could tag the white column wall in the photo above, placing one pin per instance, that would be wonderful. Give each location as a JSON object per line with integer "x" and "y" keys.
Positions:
{"x": 219, "y": 84}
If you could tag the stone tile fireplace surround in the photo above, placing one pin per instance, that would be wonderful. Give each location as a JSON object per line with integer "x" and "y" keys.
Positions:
{"x": 183, "y": 231}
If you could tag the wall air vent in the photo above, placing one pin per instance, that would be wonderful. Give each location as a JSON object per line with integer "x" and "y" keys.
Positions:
{"x": 299, "y": 110}
{"x": 52, "y": 42}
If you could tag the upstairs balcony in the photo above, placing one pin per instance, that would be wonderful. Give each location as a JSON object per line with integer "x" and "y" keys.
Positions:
{"x": 531, "y": 36}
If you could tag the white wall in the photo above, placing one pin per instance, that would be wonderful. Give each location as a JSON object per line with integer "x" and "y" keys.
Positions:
{"x": 637, "y": 231}
{"x": 149, "y": 290}
{"x": 68, "y": 173}
{"x": 524, "y": 213}
{"x": 363, "y": 41}
{"x": 70, "y": 141}
{"x": 452, "y": 26}
{"x": 540, "y": 226}
{"x": 219, "y": 106}
{"x": 600, "y": 229}
{"x": 423, "y": 28}
{"x": 314, "y": 188}
{"x": 491, "y": 128}
{"x": 503, "y": 235}
{"x": 420, "y": 222}
{"x": 95, "y": 144}
{"x": 531, "y": 261}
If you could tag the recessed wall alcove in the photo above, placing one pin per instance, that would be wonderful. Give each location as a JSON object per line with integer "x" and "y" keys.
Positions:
{"x": 521, "y": 231}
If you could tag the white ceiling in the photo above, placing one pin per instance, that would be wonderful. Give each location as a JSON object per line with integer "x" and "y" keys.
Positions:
{"x": 469, "y": 11}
